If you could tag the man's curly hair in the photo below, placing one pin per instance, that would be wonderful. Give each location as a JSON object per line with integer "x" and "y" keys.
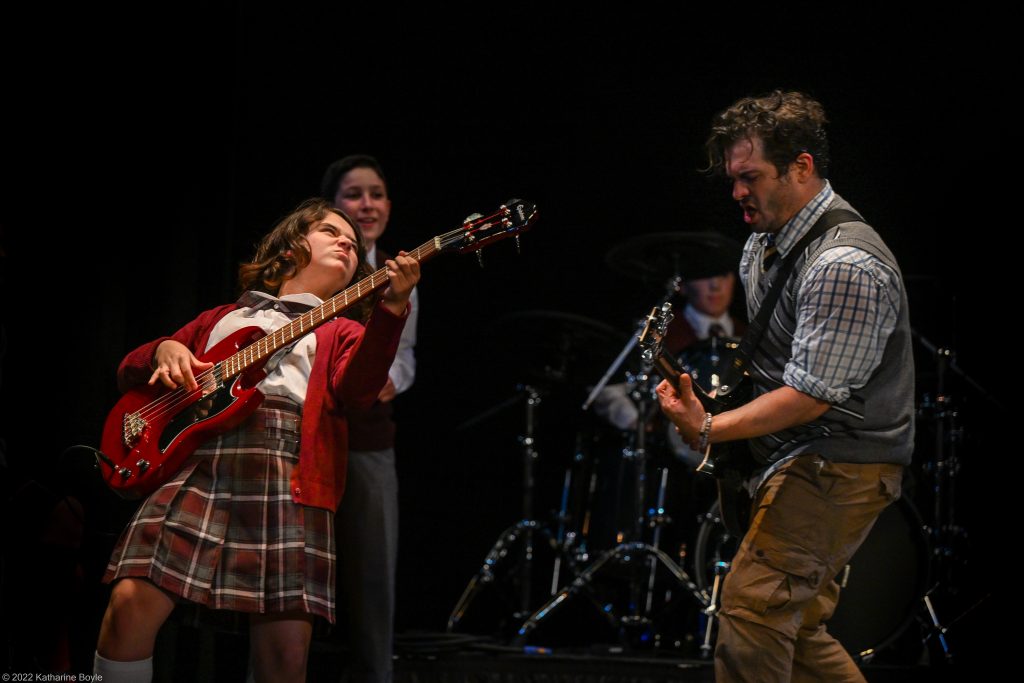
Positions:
{"x": 788, "y": 123}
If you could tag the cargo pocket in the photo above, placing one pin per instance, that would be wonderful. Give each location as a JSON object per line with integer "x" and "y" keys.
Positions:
{"x": 772, "y": 582}
{"x": 892, "y": 484}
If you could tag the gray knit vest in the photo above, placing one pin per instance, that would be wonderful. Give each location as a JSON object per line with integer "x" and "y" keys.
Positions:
{"x": 876, "y": 423}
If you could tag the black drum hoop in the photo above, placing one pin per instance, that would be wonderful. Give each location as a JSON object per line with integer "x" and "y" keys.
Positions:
{"x": 888, "y": 578}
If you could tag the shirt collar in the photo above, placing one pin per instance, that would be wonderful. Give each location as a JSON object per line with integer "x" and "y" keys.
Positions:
{"x": 290, "y": 304}
{"x": 797, "y": 226}
{"x": 702, "y": 322}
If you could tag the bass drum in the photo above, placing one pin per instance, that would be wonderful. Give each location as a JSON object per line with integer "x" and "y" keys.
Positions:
{"x": 882, "y": 586}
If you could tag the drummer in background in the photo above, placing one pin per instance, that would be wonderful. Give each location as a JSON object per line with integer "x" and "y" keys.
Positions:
{"x": 703, "y": 313}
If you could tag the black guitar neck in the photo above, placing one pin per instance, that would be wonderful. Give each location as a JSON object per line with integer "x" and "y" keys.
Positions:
{"x": 670, "y": 368}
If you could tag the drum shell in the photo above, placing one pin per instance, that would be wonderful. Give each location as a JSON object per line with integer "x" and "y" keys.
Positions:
{"x": 881, "y": 588}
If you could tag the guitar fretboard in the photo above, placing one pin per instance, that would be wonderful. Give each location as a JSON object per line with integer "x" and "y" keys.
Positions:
{"x": 260, "y": 350}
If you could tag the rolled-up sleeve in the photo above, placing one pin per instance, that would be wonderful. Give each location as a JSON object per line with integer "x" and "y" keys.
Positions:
{"x": 847, "y": 307}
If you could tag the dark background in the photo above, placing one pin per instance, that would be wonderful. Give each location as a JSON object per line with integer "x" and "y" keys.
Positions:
{"x": 145, "y": 154}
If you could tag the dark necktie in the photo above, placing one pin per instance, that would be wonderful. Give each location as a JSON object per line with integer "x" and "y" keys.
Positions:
{"x": 770, "y": 252}
{"x": 716, "y": 330}
{"x": 292, "y": 309}
{"x": 256, "y": 301}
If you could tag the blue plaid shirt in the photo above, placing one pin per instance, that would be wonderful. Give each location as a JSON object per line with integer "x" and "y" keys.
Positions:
{"x": 848, "y": 305}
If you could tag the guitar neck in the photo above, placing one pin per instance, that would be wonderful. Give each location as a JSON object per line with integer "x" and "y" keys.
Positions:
{"x": 510, "y": 219}
{"x": 670, "y": 368}
{"x": 258, "y": 352}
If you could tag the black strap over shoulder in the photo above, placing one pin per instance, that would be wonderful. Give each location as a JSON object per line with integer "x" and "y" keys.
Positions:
{"x": 778, "y": 275}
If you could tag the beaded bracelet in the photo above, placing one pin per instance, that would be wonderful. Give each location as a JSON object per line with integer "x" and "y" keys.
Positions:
{"x": 705, "y": 433}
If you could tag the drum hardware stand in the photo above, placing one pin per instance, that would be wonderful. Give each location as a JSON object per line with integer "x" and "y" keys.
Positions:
{"x": 524, "y": 529}
{"x": 563, "y": 538}
{"x": 937, "y": 628}
{"x": 944, "y": 530}
{"x": 945, "y": 467}
{"x": 721, "y": 569}
{"x": 707, "y": 648}
{"x": 627, "y": 551}
{"x": 580, "y": 541}
{"x": 637, "y": 456}
{"x": 944, "y": 470}
{"x": 623, "y": 552}
{"x": 656, "y": 520}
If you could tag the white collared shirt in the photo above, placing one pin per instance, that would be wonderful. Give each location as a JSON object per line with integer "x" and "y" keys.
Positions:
{"x": 403, "y": 369}
{"x": 702, "y": 322}
{"x": 290, "y": 377}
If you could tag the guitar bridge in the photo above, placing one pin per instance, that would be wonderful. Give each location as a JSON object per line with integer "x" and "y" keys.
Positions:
{"x": 131, "y": 429}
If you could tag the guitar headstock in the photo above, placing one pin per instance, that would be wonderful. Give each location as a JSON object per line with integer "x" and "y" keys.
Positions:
{"x": 511, "y": 218}
{"x": 652, "y": 337}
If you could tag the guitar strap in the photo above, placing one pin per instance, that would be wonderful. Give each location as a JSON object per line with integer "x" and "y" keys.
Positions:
{"x": 778, "y": 275}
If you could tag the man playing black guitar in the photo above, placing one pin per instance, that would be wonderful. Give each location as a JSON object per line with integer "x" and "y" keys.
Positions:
{"x": 832, "y": 418}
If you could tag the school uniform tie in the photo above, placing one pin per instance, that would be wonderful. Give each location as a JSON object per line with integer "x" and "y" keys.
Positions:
{"x": 769, "y": 253}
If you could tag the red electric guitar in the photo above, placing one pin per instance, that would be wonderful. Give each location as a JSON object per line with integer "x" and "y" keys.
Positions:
{"x": 152, "y": 430}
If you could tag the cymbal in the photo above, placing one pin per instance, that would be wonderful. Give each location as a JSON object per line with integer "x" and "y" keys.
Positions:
{"x": 656, "y": 257}
{"x": 553, "y": 347}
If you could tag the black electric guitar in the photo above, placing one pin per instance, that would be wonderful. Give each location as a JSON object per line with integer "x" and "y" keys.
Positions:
{"x": 731, "y": 464}
{"x": 152, "y": 430}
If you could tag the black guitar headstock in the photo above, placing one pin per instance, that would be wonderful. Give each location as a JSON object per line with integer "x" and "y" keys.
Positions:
{"x": 652, "y": 337}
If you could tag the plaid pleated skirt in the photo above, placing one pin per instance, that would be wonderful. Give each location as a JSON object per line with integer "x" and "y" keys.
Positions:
{"x": 225, "y": 533}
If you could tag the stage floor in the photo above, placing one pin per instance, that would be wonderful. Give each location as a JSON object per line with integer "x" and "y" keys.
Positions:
{"x": 200, "y": 654}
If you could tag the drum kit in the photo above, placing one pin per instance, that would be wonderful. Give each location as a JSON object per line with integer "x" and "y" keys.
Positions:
{"x": 636, "y": 547}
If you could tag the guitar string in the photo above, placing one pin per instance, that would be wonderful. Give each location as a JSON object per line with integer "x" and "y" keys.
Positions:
{"x": 439, "y": 243}
{"x": 173, "y": 399}
{"x": 180, "y": 395}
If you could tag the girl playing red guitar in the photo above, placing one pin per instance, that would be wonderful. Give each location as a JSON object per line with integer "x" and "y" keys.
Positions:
{"x": 246, "y": 523}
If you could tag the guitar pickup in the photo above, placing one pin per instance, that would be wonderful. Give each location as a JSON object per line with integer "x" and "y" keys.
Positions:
{"x": 210, "y": 384}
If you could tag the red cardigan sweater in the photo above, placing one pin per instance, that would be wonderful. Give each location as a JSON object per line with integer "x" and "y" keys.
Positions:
{"x": 349, "y": 370}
